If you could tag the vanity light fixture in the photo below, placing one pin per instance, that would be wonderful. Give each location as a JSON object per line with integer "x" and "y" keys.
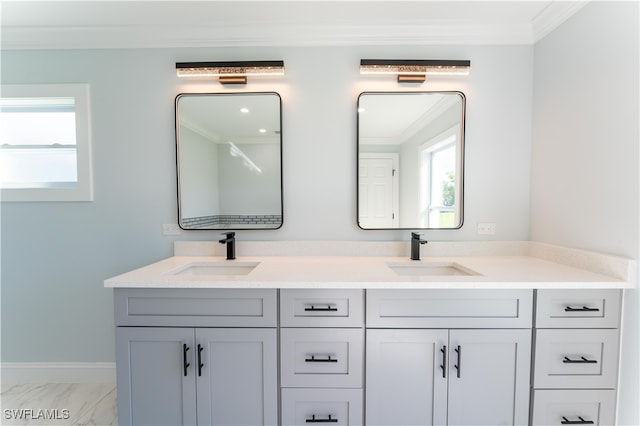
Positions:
{"x": 414, "y": 70}
{"x": 230, "y": 72}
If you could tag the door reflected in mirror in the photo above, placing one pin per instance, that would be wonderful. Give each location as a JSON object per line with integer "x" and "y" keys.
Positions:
{"x": 229, "y": 152}
{"x": 410, "y": 160}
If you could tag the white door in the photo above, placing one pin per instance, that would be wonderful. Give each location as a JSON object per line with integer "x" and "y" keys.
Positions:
{"x": 377, "y": 191}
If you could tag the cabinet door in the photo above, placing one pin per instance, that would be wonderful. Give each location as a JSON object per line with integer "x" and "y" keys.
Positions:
{"x": 156, "y": 384}
{"x": 405, "y": 383}
{"x": 489, "y": 377}
{"x": 237, "y": 376}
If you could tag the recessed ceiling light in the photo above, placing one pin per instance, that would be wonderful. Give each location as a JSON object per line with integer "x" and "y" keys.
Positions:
{"x": 244, "y": 110}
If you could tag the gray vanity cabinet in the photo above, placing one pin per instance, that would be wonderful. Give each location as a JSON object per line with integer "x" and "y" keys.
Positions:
{"x": 440, "y": 377}
{"x": 421, "y": 372}
{"x": 321, "y": 356}
{"x": 576, "y": 357}
{"x": 204, "y": 371}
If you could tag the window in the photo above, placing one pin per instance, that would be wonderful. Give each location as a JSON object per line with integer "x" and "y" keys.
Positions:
{"x": 45, "y": 150}
{"x": 438, "y": 186}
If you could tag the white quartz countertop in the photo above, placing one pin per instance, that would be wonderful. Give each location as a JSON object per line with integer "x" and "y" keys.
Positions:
{"x": 367, "y": 272}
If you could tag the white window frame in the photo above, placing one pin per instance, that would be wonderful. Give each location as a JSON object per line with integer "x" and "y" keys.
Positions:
{"x": 450, "y": 137}
{"x": 83, "y": 190}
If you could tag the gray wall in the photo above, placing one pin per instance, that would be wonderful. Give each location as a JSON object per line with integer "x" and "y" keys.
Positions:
{"x": 585, "y": 186}
{"x": 236, "y": 180}
{"x": 199, "y": 194}
{"x": 55, "y": 256}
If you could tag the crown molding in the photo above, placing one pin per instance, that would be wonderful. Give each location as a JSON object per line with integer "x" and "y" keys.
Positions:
{"x": 199, "y": 130}
{"x": 350, "y": 30}
{"x": 554, "y": 15}
{"x": 171, "y": 36}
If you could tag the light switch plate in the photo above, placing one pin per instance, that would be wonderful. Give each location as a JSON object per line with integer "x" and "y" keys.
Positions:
{"x": 486, "y": 229}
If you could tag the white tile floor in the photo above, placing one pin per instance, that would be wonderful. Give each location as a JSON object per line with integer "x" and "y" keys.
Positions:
{"x": 58, "y": 404}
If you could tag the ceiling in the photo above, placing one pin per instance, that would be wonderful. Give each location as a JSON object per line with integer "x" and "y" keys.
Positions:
{"x": 394, "y": 118}
{"x": 129, "y": 24}
{"x": 237, "y": 117}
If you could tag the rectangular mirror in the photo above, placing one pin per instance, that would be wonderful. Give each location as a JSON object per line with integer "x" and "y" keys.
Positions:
{"x": 410, "y": 160}
{"x": 229, "y": 159}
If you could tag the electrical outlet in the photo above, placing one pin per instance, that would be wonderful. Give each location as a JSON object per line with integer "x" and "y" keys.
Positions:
{"x": 486, "y": 229}
{"x": 170, "y": 229}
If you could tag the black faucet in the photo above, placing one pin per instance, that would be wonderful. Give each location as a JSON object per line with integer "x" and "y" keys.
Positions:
{"x": 415, "y": 245}
{"x": 230, "y": 241}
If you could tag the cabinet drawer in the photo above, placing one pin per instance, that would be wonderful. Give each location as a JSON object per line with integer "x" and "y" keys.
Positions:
{"x": 573, "y": 407}
{"x": 321, "y": 308}
{"x": 576, "y": 358}
{"x": 332, "y": 406}
{"x": 321, "y": 357}
{"x": 578, "y": 309}
{"x": 449, "y": 308}
{"x": 195, "y": 307}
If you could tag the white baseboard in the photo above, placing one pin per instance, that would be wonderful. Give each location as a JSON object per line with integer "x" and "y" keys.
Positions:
{"x": 58, "y": 372}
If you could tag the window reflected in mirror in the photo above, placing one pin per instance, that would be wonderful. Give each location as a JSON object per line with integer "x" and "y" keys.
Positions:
{"x": 410, "y": 160}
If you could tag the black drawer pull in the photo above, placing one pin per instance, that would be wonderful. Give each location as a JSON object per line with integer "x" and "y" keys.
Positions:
{"x": 582, "y": 421}
{"x": 327, "y": 420}
{"x": 328, "y": 308}
{"x": 582, "y": 360}
{"x": 185, "y": 363}
{"x": 458, "y": 366}
{"x": 583, "y": 309}
{"x": 314, "y": 359}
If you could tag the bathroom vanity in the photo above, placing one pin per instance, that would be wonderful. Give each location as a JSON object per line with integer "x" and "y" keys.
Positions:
{"x": 481, "y": 334}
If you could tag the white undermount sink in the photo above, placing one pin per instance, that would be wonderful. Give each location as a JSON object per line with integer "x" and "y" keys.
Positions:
{"x": 432, "y": 269}
{"x": 227, "y": 267}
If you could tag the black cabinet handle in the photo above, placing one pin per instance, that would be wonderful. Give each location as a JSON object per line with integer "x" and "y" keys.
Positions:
{"x": 200, "y": 364}
{"x": 185, "y": 363}
{"x": 582, "y": 421}
{"x": 327, "y": 420}
{"x": 458, "y": 366}
{"x": 582, "y": 360}
{"x": 314, "y": 359}
{"x": 328, "y": 308}
{"x": 444, "y": 361}
{"x": 582, "y": 309}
